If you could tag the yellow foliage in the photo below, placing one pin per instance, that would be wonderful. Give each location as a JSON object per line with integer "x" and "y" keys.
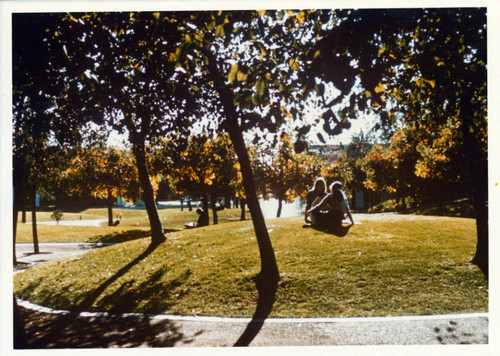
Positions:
{"x": 294, "y": 65}
{"x": 232, "y": 73}
{"x": 301, "y": 17}
{"x": 380, "y": 88}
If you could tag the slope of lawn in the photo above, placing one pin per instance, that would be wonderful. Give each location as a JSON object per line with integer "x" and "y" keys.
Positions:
{"x": 387, "y": 265}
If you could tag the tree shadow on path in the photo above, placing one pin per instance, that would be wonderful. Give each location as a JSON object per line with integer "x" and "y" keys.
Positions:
{"x": 267, "y": 296}
{"x": 76, "y": 331}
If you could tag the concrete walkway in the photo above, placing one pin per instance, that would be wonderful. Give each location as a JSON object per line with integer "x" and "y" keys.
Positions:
{"x": 164, "y": 330}
{"x": 220, "y": 332}
{"x": 49, "y": 252}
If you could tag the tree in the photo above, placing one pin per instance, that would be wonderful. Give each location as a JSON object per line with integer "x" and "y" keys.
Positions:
{"x": 35, "y": 83}
{"x": 355, "y": 151}
{"x": 205, "y": 166}
{"x": 250, "y": 66}
{"x": 282, "y": 174}
{"x": 418, "y": 65}
{"x": 121, "y": 74}
{"x": 424, "y": 164}
{"x": 105, "y": 172}
{"x": 442, "y": 164}
{"x": 242, "y": 71}
{"x": 391, "y": 167}
{"x": 57, "y": 215}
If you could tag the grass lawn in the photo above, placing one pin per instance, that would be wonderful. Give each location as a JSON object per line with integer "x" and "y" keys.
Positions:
{"x": 134, "y": 224}
{"x": 387, "y": 265}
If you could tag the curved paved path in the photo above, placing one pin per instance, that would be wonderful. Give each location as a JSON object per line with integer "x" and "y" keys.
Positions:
{"x": 48, "y": 328}
{"x": 67, "y": 329}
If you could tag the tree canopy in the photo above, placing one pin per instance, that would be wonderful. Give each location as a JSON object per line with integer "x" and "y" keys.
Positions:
{"x": 252, "y": 72}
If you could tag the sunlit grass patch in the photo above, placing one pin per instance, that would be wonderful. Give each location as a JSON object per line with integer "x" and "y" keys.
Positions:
{"x": 134, "y": 223}
{"x": 387, "y": 265}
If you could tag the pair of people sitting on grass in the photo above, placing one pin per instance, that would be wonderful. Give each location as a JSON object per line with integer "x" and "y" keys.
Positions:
{"x": 326, "y": 210}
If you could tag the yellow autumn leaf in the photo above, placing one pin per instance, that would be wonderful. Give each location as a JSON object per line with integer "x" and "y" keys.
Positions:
{"x": 232, "y": 73}
{"x": 241, "y": 77}
{"x": 294, "y": 65}
{"x": 380, "y": 88}
{"x": 301, "y": 17}
{"x": 219, "y": 31}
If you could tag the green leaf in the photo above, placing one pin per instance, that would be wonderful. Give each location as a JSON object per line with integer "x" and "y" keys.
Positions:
{"x": 260, "y": 87}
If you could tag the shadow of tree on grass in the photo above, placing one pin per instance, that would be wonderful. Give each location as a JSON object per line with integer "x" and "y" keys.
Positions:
{"x": 124, "y": 236}
{"x": 152, "y": 298}
{"x": 74, "y": 330}
{"x": 87, "y": 302}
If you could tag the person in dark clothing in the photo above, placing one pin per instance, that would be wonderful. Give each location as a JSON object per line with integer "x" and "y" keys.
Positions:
{"x": 203, "y": 218}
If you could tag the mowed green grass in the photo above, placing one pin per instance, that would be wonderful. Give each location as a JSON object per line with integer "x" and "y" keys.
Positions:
{"x": 134, "y": 223}
{"x": 387, "y": 265}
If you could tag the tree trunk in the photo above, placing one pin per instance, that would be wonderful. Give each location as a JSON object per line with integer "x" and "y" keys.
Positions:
{"x": 268, "y": 277}
{"x": 33, "y": 221}
{"x": 157, "y": 235}
{"x": 269, "y": 267}
{"x": 14, "y": 230}
{"x": 242, "y": 216}
{"x": 280, "y": 207}
{"x": 23, "y": 216}
{"x": 109, "y": 203}
{"x": 18, "y": 200}
{"x": 478, "y": 166}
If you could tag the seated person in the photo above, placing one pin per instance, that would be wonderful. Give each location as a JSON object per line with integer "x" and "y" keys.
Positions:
{"x": 315, "y": 195}
{"x": 203, "y": 219}
{"x": 220, "y": 204}
{"x": 331, "y": 210}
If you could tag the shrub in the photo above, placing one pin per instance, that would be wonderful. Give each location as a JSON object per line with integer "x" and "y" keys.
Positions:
{"x": 393, "y": 205}
{"x": 57, "y": 215}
